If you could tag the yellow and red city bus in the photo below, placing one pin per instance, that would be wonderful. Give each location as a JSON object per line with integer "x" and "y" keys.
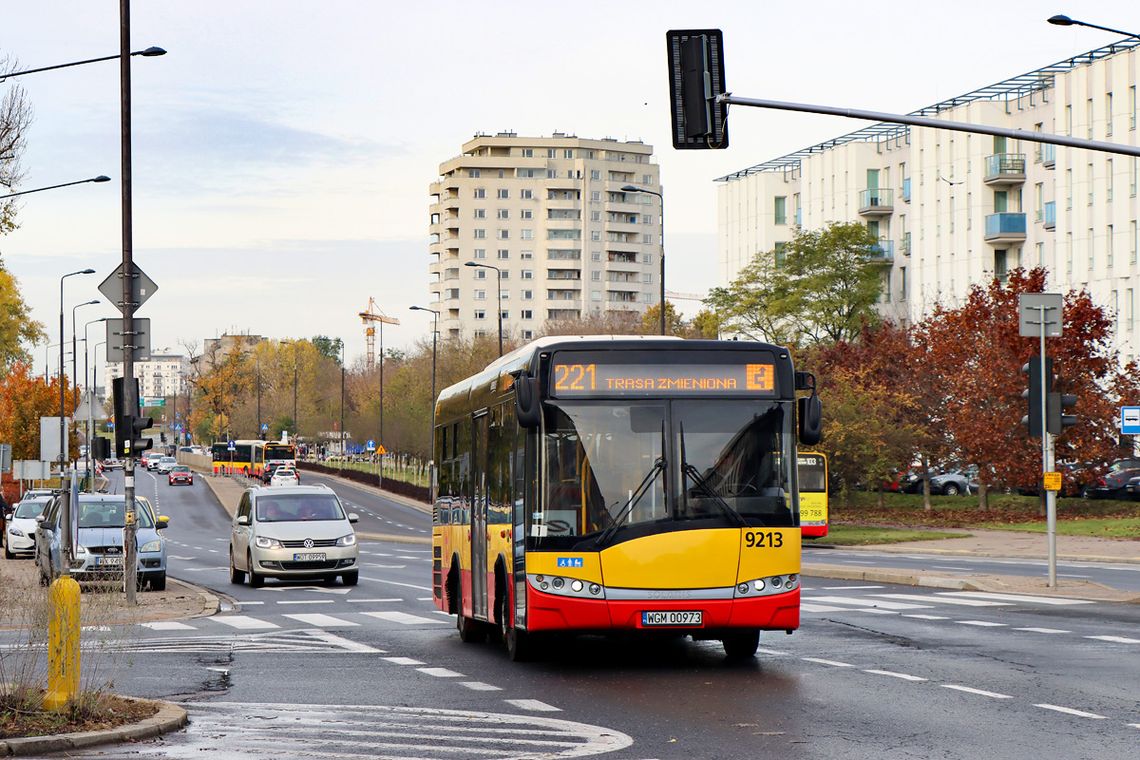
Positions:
{"x": 247, "y": 458}
{"x": 621, "y": 485}
{"x": 813, "y": 493}
{"x": 280, "y": 453}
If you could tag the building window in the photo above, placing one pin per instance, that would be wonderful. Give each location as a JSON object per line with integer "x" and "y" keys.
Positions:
{"x": 647, "y": 238}
{"x": 526, "y": 314}
{"x": 528, "y": 295}
{"x": 480, "y": 274}
{"x": 1132, "y": 107}
{"x": 1001, "y": 264}
{"x": 480, "y": 253}
{"x": 780, "y": 210}
{"x": 778, "y": 253}
{"x": 1068, "y": 188}
{"x": 480, "y": 314}
{"x": 503, "y": 235}
{"x": 595, "y": 235}
{"x": 1068, "y": 253}
{"x": 527, "y": 274}
{"x": 527, "y": 234}
{"x": 595, "y": 174}
{"x": 1040, "y": 254}
{"x": 504, "y": 253}
{"x": 551, "y": 153}
{"x": 647, "y": 258}
{"x": 473, "y": 173}
{"x": 902, "y": 283}
{"x": 480, "y": 234}
{"x": 526, "y": 255}
{"x": 526, "y": 213}
{"x": 506, "y": 296}
{"x": 503, "y": 194}
{"x": 480, "y": 192}
{"x": 647, "y": 179}
{"x": 568, "y": 153}
{"x": 1092, "y": 251}
{"x": 1108, "y": 180}
{"x": 504, "y": 275}
{"x": 503, "y": 213}
{"x": 526, "y": 195}
{"x": 595, "y": 195}
{"x": 1089, "y": 118}
{"x": 1089, "y": 174}
{"x": 1135, "y": 235}
{"x": 1108, "y": 115}
{"x": 595, "y": 255}
{"x": 528, "y": 152}
{"x": 480, "y": 295}
{"x": 1039, "y": 201}
{"x": 1134, "y": 176}
{"x": 480, "y": 213}
{"x": 647, "y": 277}
{"x": 1115, "y": 301}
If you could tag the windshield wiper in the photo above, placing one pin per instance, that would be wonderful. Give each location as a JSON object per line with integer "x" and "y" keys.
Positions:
{"x": 704, "y": 488}
{"x": 646, "y": 482}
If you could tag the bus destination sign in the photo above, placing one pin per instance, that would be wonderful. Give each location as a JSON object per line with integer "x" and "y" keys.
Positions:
{"x": 571, "y": 378}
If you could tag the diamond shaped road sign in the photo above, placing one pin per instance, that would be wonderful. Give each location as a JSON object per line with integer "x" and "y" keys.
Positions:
{"x": 142, "y": 287}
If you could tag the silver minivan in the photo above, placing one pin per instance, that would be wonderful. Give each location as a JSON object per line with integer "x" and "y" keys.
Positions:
{"x": 292, "y": 532}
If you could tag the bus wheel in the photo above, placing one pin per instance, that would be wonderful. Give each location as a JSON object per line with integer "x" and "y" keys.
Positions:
{"x": 740, "y": 645}
{"x": 471, "y": 631}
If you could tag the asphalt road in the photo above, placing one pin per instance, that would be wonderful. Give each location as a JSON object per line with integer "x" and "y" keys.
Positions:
{"x": 876, "y": 671}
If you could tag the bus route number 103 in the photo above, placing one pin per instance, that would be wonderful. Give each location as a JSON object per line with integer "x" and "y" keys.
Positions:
{"x": 575, "y": 377}
{"x": 763, "y": 539}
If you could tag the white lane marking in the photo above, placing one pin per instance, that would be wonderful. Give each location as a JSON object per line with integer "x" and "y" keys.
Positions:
{"x": 775, "y": 652}
{"x": 402, "y": 661}
{"x": 808, "y": 607}
{"x": 944, "y": 600}
{"x": 424, "y": 598}
{"x": 926, "y": 617}
{"x": 1115, "y": 639}
{"x": 440, "y": 672}
{"x": 1071, "y": 711}
{"x": 322, "y": 621}
{"x": 389, "y": 599}
{"x": 828, "y": 662}
{"x": 1042, "y": 630}
{"x": 1133, "y": 725}
{"x": 532, "y": 704}
{"x": 980, "y": 692}
{"x": 397, "y": 583}
{"x": 869, "y": 603}
{"x": 1050, "y": 600}
{"x": 846, "y": 588}
{"x": 167, "y": 625}
{"x": 244, "y": 603}
{"x": 980, "y": 623}
{"x": 403, "y": 618}
{"x": 214, "y": 551}
{"x": 182, "y": 558}
{"x": 306, "y": 601}
{"x": 243, "y": 622}
{"x": 385, "y": 567}
{"x": 892, "y": 674}
{"x": 479, "y": 686}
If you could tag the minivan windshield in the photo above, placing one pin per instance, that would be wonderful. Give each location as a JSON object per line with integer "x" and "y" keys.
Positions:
{"x": 298, "y": 507}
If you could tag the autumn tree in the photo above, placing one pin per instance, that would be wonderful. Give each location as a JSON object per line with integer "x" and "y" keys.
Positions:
{"x": 821, "y": 287}
{"x": 17, "y": 328}
{"x": 15, "y": 118}
{"x": 24, "y": 398}
{"x": 651, "y": 320}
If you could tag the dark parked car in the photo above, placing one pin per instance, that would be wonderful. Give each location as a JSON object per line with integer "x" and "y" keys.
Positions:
{"x": 1132, "y": 488}
{"x": 1114, "y": 483}
{"x": 955, "y": 482}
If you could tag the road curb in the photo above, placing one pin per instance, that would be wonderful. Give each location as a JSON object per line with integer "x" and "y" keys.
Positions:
{"x": 995, "y": 555}
{"x": 398, "y": 498}
{"x": 170, "y": 717}
{"x": 211, "y": 602}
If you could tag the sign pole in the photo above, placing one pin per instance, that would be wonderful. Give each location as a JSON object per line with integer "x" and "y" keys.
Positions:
{"x": 130, "y": 550}
{"x": 1047, "y": 458}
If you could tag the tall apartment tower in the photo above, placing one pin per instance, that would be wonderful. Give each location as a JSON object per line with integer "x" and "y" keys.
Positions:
{"x": 953, "y": 210}
{"x": 549, "y": 213}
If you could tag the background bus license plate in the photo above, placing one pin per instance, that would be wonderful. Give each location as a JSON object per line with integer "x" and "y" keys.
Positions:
{"x": 672, "y": 617}
{"x": 309, "y": 557}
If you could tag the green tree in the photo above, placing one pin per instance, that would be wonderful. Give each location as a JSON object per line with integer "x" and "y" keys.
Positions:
{"x": 651, "y": 320}
{"x": 17, "y": 328}
{"x": 706, "y": 324}
{"x": 820, "y": 288}
{"x": 330, "y": 347}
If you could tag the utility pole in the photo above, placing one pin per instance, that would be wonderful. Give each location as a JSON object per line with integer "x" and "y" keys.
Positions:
{"x": 130, "y": 530}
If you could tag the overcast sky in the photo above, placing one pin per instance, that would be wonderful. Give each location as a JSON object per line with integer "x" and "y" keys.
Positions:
{"x": 283, "y": 149}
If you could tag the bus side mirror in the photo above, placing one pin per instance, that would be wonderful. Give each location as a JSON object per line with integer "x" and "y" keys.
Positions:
{"x": 810, "y": 413}
{"x": 527, "y": 406}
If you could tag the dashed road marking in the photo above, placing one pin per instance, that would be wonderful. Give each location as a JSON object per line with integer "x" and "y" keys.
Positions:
{"x": 926, "y": 617}
{"x": 1047, "y": 600}
{"x": 532, "y": 704}
{"x": 1071, "y": 711}
{"x": 1042, "y": 630}
{"x": 440, "y": 672}
{"x": 893, "y": 674}
{"x": 980, "y": 692}
{"x": 981, "y": 623}
{"x": 833, "y": 663}
{"x": 946, "y": 600}
{"x": 403, "y": 661}
{"x": 1115, "y": 639}
{"x": 479, "y": 686}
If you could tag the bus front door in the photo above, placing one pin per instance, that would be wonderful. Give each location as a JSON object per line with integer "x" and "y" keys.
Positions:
{"x": 479, "y": 519}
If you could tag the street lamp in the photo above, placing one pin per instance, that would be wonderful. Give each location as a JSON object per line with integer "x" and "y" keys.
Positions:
{"x": 1060, "y": 20}
{"x": 636, "y": 189}
{"x": 499, "y": 307}
{"x": 150, "y": 52}
{"x": 343, "y": 451}
{"x": 74, "y": 353}
{"x": 90, "y": 428}
{"x": 62, "y": 426}
{"x": 434, "y": 339}
{"x": 100, "y": 178}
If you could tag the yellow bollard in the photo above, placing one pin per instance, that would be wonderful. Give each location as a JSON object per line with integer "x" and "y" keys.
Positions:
{"x": 63, "y": 643}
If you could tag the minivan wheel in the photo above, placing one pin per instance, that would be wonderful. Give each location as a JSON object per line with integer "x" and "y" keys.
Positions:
{"x": 237, "y": 577}
{"x": 350, "y": 578}
{"x": 256, "y": 580}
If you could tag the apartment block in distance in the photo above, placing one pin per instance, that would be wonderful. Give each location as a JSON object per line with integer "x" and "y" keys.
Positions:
{"x": 549, "y": 213}
{"x": 160, "y": 376}
{"x": 952, "y": 209}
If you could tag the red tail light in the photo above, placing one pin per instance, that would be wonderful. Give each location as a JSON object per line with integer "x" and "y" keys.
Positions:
{"x": 1101, "y": 482}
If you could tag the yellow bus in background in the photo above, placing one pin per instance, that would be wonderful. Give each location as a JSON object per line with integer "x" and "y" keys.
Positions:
{"x": 812, "y": 472}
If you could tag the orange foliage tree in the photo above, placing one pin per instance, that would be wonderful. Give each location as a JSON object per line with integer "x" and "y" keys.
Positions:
{"x": 24, "y": 398}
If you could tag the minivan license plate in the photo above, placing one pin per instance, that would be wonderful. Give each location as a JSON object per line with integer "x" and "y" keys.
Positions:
{"x": 309, "y": 557}
{"x": 672, "y": 617}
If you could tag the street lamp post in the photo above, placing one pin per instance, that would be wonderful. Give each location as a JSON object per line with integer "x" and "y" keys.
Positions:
{"x": 65, "y": 538}
{"x": 74, "y": 353}
{"x": 434, "y": 345}
{"x": 147, "y": 53}
{"x": 661, "y": 198}
{"x": 499, "y": 305}
{"x": 100, "y": 178}
{"x": 1061, "y": 20}
{"x": 90, "y": 429}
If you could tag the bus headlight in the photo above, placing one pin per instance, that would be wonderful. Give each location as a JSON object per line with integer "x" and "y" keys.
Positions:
{"x": 572, "y": 587}
{"x": 773, "y": 584}
{"x": 576, "y": 586}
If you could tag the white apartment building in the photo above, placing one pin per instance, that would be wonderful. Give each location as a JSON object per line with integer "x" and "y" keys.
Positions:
{"x": 550, "y": 214}
{"x": 162, "y": 375}
{"x": 953, "y": 209}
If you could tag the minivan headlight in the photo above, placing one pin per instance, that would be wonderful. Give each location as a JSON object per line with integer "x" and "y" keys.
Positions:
{"x": 151, "y": 546}
{"x": 349, "y": 540}
{"x": 267, "y": 543}
{"x": 80, "y": 550}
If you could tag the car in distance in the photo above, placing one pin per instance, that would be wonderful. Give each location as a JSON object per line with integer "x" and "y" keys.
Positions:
{"x": 180, "y": 473}
{"x": 285, "y": 476}
{"x": 111, "y": 463}
{"x": 165, "y": 464}
{"x": 20, "y": 531}
{"x": 292, "y": 532}
{"x": 955, "y": 482}
{"x": 1114, "y": 483}
{"x": 99, "y": 548}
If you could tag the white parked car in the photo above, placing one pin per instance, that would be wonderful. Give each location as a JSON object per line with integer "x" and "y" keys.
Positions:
{"x": 302, "y": 531}
{"x": 21, "y": 528}
{"x": 285, "y": 476}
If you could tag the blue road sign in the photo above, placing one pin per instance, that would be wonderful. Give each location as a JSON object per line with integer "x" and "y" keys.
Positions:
{"x": 230, "y": 446}
{"x": 264, "y": 427}
{"x": 1130, "y": 420}
{"x": 177, "y": 428}
{"x": 371, "y": 445}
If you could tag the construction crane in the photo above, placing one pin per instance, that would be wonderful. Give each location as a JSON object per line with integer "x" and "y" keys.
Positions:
{"x": 370, "y": 317}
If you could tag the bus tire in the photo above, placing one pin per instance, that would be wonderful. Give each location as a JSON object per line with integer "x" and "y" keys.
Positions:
{"x": 741, "y": 645}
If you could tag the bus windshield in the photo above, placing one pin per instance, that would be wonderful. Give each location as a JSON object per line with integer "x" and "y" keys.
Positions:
{"x": 667, "y": 462}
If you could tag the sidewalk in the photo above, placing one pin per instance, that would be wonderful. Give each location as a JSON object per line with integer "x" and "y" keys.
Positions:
{"x": 988, "y": 543}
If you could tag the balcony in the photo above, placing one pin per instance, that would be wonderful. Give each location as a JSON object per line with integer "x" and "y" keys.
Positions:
{"x": 906, "y": 190}
{"x": 876, "y": 202}
{"x": 1005, "y": 227}
{"x": 1005, "y": 169}
{"x": 882, "y": 252}
{"x": 1048, "y": 155}
{"x": 1050, "y": 215}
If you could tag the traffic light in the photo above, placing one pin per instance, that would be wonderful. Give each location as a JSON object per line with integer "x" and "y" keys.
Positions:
{"x": 139, "y": 442}
{"x": 1034, "y": 392}
{"x": 1056, "y": 420}
{"x": 696, "y": 77}
{"x": 162, "y": 437}
{"x": 129, "y": 425}
{"x": 100, "y": 448}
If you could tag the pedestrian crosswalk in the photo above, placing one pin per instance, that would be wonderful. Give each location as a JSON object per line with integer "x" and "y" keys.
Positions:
{"x": 880, "y": 603}
{"x": 348, "y": 619}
